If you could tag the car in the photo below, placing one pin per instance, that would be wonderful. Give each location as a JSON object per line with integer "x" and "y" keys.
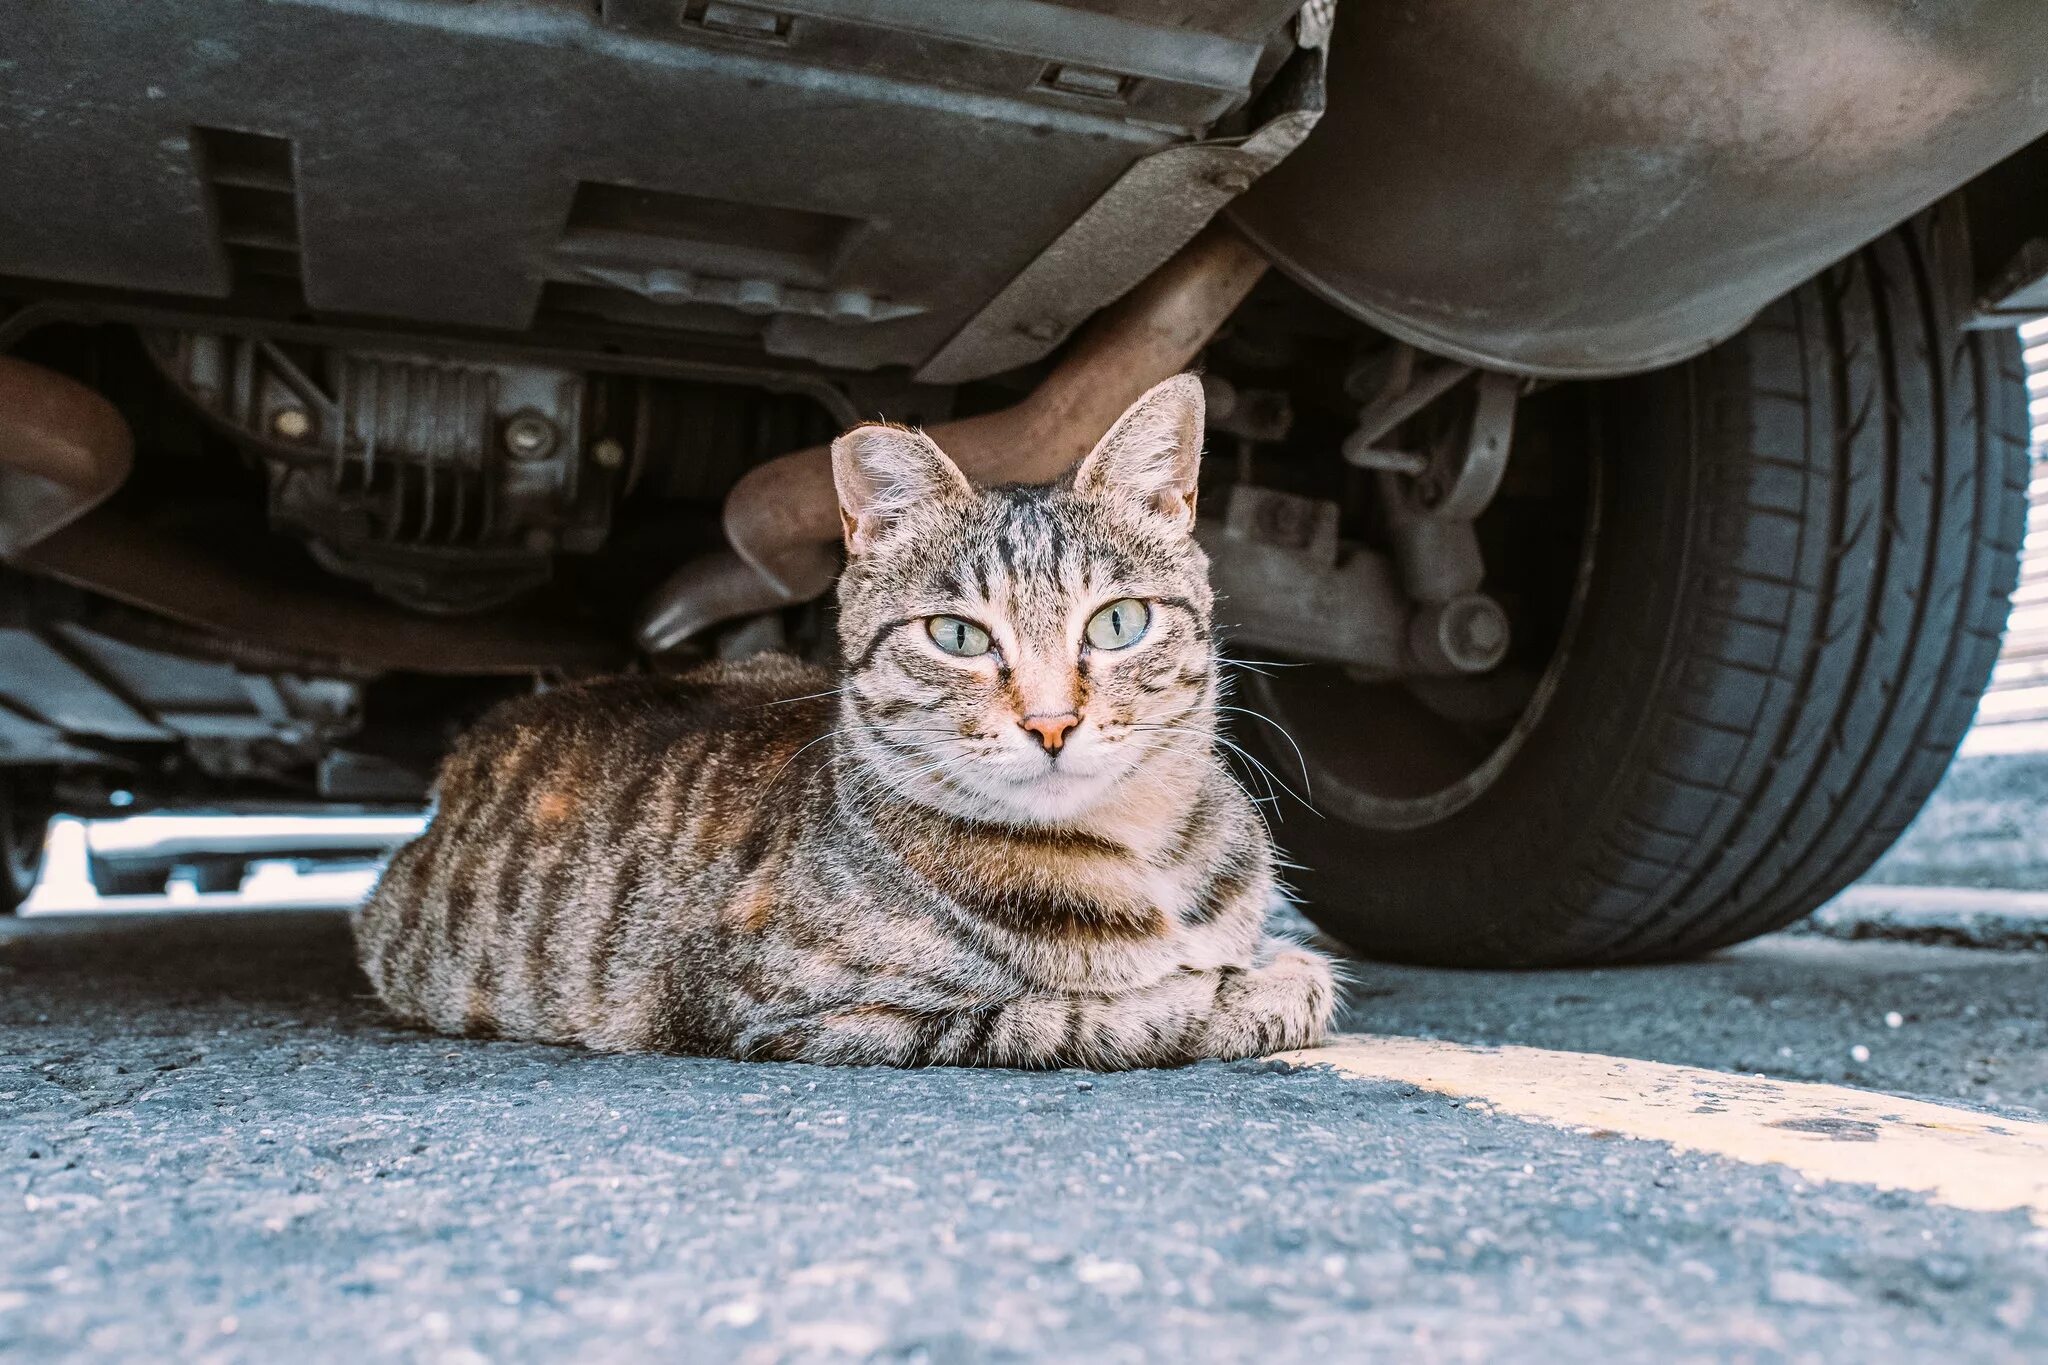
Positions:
{"x": 141, "y": 856}
{"x": 1617, "y": 441}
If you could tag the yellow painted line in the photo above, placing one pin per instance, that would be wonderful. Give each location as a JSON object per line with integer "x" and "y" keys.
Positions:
{"x": 1953, "y": 1156}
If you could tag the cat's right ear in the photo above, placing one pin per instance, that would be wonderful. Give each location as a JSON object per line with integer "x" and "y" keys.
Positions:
{"x": 882, "y": 471}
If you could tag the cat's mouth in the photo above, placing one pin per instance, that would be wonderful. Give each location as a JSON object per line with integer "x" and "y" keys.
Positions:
{"x": 1053, "y": 795}
{"x": 990, "y": 775}
{"x": 1047, "y": 787}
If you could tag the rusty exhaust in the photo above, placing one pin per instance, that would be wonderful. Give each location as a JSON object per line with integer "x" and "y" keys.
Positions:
{"x": 133, "y": 562}
{"x": 782, "y": 518}
{"x": 63, "y": 450}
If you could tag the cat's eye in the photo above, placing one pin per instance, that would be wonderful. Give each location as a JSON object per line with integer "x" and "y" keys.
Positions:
{"x": 956, "y": 636}
{"x": 1119, "y": 625}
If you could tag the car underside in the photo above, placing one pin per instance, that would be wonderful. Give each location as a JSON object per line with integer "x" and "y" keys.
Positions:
{"x": 1616, "y": 446}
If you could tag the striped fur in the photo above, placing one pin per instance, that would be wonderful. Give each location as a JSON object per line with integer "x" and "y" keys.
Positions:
{"x": 764, "y": 860}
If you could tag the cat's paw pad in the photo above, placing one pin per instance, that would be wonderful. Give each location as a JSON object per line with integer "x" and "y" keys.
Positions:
{"x": 1286, "y": 1002}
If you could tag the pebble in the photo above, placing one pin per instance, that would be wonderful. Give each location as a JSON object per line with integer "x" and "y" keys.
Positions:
{"x": 1111, "y": 1277}
{"x": 1798, "y": 1288}
{"x": 1946, "y": 1272}
{"x": 734, "y": 1313}
{"x": 856, "y": 1339}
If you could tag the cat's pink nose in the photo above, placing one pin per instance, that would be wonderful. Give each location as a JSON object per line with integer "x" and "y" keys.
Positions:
{"x": 1052, "y": 731}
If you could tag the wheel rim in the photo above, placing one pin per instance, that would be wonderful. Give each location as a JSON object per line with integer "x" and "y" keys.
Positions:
{"x": 1407, "y": 767}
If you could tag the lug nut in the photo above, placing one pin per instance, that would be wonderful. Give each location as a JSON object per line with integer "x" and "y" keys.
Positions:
{"x": 1481, "y": 633}
{"x": 1466, "y": 635}
{"x": 292, "y": 423}
{"x": 1475, "y": 633}
{"x": 529, "y": 436}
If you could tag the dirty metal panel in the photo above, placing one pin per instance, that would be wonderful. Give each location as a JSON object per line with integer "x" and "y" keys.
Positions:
{"x": 1051, "y": 53}
{"x": 454, "y": 163}
{"x": 193, "y": 696}
{"x": 43, "y": 681}
{"x": 1248, "y": 19}
{"x": 24, "y": 739}
{"x": 1151, "y": 211}
{"x": 1603, "y": 186}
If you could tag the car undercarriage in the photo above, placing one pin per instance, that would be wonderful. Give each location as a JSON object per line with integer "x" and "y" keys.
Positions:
{"x": 366, "y": 362}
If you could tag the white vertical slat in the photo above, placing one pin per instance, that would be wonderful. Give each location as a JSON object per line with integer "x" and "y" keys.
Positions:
{"x": 2013, "y": 716}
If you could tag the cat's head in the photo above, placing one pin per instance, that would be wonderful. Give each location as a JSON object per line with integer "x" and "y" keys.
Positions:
{"x": 1014, "y": 653}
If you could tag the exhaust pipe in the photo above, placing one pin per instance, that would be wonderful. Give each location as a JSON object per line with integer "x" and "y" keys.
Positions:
{"x": 134, "y": 562}
{"x": 782, "y": 518}
{"x": 63, "y": 450}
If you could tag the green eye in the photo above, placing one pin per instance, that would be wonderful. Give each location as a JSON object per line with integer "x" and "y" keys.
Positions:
{"x": 1119, "y": 625}
{"x": 956, "y": 636}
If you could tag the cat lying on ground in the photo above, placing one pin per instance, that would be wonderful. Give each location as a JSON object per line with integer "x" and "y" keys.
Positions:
{"x": 1003, "y": 835}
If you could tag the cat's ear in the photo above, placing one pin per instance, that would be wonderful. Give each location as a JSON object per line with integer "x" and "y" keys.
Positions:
{"x": 1153, "y": 454}
{"x": 882, "y": 471}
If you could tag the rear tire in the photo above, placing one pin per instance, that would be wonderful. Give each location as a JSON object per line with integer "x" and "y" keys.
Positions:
{"x": 24, "y": 826}
{"x": 1803, "y": 548}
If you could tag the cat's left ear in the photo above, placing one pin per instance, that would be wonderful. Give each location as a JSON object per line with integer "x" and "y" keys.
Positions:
{"x": 881, "y": 472}
{"x": 1153, "y": 455}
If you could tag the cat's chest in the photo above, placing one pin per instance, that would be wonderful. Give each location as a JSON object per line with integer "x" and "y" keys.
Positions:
{"x": 1107, "y": 927}
{"x": 1098, "y": 909}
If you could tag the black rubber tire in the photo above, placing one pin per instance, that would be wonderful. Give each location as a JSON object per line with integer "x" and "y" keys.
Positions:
{"x": 1807, "y": 540}
{"x": 24, "y": 824}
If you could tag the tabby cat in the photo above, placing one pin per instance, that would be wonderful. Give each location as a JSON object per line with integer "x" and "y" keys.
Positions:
{"x": 1001, "y": 836}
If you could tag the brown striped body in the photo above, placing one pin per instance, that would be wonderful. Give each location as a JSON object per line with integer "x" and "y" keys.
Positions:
{"x": 905, "y": 864}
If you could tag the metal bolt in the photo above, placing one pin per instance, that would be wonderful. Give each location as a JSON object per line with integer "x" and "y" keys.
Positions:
{"x": 529, "y": 436}
{"x": 292, "y": 423}
{"x": 608, "y": 454}
{"x": 1474, "y": 633}
{"x": 1482, "y": 633}
{"x": 757, "y": 297}
{"x": 850, "y": 305}
{"x": 1231, "y": 180}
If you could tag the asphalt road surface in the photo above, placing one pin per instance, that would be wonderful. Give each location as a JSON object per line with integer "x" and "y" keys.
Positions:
{"x": 216, "y": 1149}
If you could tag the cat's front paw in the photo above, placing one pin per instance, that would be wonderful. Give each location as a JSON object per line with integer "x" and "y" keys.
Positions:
{"x": 1284, "y": 1003}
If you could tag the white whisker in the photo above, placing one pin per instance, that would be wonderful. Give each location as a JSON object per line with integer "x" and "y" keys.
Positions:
{"x": 808, "y": 696}
{"x": 794, "y": 757}
{"x": 1299, "y": 758}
